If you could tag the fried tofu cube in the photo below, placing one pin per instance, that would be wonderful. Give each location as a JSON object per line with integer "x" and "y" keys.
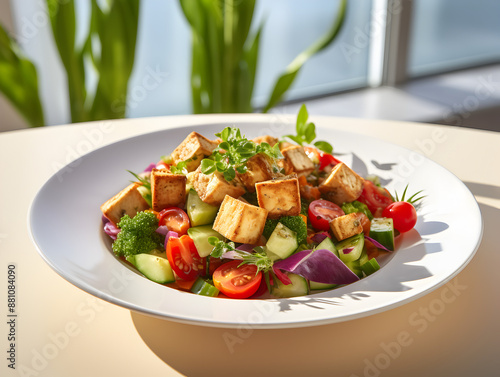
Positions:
{"x": 240, "y": 221}
{"x": 259, "y": 168}
{"x": 271, "y": 140}
{"x": 342, "y": 185}
{"x": 129, "y": 201}
{"x": 194, "y": 148}
{"x": 281, "y": 196}
{"x": 346, "y": 226}
{"x": 213, "y": 188}
{"x": 167, "y": 189}
{"x": 296, "y": 156}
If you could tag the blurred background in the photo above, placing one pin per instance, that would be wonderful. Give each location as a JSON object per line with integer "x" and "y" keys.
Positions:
{"x": 67, "y": 61}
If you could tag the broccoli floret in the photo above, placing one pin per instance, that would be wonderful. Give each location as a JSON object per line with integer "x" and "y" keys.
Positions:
{"x": 354, "y": 207}
{"x": 295, "y": 223}
{"x": 304, "y": 207}
{"x": 137, "y": 235}
{"x": 269, "y": 227}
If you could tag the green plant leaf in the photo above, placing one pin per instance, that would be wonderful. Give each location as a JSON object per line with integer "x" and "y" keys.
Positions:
{"x": 19, "y": 81}
{"x": 324, "y": 146}
{"x": 116, "y": 30}
{"x": 63, "y": 22}
{"x": 286, "y": 79}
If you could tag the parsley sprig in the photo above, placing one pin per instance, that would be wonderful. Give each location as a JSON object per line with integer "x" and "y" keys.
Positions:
{"x": 306, "y": 132}
{"x": 258, "y": 258}
{"x": 232, "y": 154}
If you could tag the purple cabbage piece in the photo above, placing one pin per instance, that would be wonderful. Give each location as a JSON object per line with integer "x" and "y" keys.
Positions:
{"x": 111, "y": 230}
{"x": 321, "y": 266}
{"x": 150, "y": 167}
{"x": 377, "y": 244}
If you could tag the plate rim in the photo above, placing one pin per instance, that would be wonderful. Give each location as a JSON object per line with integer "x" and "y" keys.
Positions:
{"x": 79, "y": 283}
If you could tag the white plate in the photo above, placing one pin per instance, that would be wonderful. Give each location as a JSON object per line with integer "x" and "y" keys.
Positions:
{"x": 65, "y": 222}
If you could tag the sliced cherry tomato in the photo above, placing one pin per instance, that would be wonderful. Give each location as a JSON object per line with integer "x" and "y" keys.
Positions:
{"x": 184, "y": 258}
{"x": 162, "y": 165}
{"x": 326, "y": 159}
{"x": 175, "y": 219}
{"x": 376, "y": 198}
{"x": 403, "y": 214}
{"x": 321, "y": 212}
{"x": 237, "y": 282}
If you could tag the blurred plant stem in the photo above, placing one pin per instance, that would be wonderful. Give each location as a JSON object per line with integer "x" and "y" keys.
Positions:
{"x": 225, "y": 55}
{"x": 18, "y": 81}
{"x": 108, "y": 49}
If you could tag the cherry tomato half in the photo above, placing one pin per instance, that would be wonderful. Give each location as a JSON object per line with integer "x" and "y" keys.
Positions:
{"x": 321, "y": 212}
{"x": 175, "y": 219}
{"x": 376, "y": 198}
{"x": 184, "y": 258}
{"x": 327, "y": 159}
{"x": 403, "y": 214}
{"x": 237, "y": 282}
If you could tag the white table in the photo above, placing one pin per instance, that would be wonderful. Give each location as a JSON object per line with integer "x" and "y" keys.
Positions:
{"x": 63, "y": 331}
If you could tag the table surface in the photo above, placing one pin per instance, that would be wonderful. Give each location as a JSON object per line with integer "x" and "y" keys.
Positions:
{"x": 63, "y": 331}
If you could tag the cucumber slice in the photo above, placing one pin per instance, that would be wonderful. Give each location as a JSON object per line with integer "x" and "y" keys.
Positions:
{"x": 299, "y": 287}
{"x": 199, "y": 235}
{"x": 154, "y": 267}
{"x": 382, "y": 230}
{"x": 370, "y": 266}
{"x": 327, "y": 244}
{"x": 355, "y": 267}
{"x": 282, "y": 242}
{"x": 319, "y": 286}
{"x": 351, "y": 248}
{"x": 363, "y": 257}
{"x": 271, "y": 255}
{"x": 204, "y": 288}
{"x": 199, "y": 212}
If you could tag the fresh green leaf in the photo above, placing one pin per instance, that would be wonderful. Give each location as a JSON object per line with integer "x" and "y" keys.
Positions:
{"x": 208, "y": 166}
{"x": 287, "y": 78}
{"x": 220, "y": 247}
{"x": 19, "y": 81}
{"x": 324, "y": 146}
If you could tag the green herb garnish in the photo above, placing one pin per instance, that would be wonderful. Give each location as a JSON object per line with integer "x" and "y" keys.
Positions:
{"x": 306, "y": 132}
{"x": 145, "y": 189}
{"x": 232, "y": 154}
{"x": 259, "y": 258}
{"x": 411, "y": 199}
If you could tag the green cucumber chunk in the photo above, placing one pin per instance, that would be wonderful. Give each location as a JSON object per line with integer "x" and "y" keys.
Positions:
{"x": 199, "y": 235}
{"x": 370, "y": 266}
{"x": 153, "y": 267}
{"x": 382, "y": 230}
{"x": 204, "y": 288}
{"x": 363, "y": 258}
{"x": 315, "y": 286}
{"x": 327, "y": 244}
{"x": 282, "y": 241}
{"x": 199, "y": 212}
{"x": 299, "y": 287}
{"x": 355, "y": 267}
{"x": 351, "y": 248}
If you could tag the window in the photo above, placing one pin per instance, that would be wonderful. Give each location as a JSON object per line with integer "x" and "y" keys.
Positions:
{"x": 451, "y": 34}
{"x": 164, "y": 50}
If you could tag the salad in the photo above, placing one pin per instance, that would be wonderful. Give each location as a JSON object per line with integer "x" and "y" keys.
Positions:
{"x": 239, "y": 218}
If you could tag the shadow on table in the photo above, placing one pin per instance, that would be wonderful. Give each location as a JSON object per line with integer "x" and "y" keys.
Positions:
{"x": 343, "y": 348}
{"x": 484, "y": 190}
